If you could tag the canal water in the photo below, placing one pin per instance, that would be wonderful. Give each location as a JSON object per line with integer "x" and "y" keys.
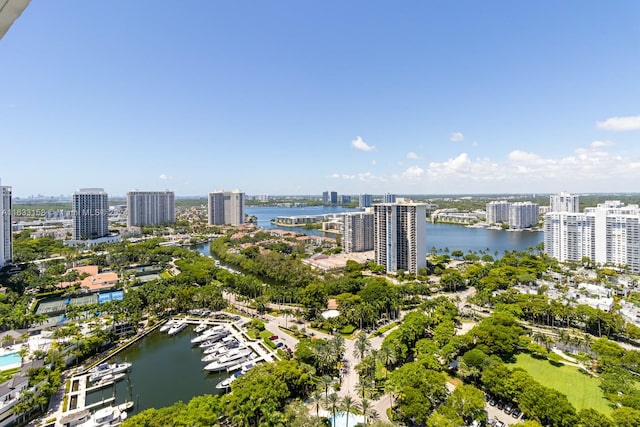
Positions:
{"x": 165, "y": 369}
{"x": 438, "y": 236}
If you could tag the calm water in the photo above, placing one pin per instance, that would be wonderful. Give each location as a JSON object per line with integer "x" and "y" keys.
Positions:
{"x": 266, "y": 214}
{"x": 440, "y": 236}
{"x": 165, "y": 369}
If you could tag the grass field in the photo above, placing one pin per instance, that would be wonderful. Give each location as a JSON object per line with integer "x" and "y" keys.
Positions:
{"x": 582, "y": 390}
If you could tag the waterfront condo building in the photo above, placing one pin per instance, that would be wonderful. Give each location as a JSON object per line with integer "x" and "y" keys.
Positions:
{"x": 150, "y": 208}
{"x": 389, "y": 198}
{"x": 400, "y": 231}
{"x": 226, "y": 208}
{"x": 564, "y": 202}
{"x": 523, "y": 215}
{"x": 90, "y": 213}
{"x": 6, "y": 243}
{"x": 365, "y": 200}
{"x": 606, "y": 234}
{"x": 497, "y": 211}
{"x": 357, "y": 232}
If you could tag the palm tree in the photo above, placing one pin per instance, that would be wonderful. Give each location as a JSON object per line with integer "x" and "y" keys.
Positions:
{"x": 363, "y": 386}
{"x": 316, "y": 398}
{"x": 332, "y": 403}
{"x": 286, "y": 312}
{"x": 324, "y": 382}
{"x": 366, "y": 406}
{"x": 347, "y": 405}
{"x": 387, "y": 357}
{"x": 361, "y": 346}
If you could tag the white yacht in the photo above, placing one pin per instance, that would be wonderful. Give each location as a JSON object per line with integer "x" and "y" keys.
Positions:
{"x": 228, "y": 360}
{"x": 105, "y": 417}
{"x": 177, "y": 327}
{"x": 168, "y": 324}
{"x": 103, "y": 369}
{"x": 226, "y": 383}
{"x": 206, "y": 334}
{"x": 213, "y": 339}
{"x": 201, "y": 327}
{"x": 221, "y": 345}
{"x": 107, "y": 380}
{"x": 224, "y": 351}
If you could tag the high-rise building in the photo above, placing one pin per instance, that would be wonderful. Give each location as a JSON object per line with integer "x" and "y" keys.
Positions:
{"x": 400, "y": 236}
{"x": 344, "y": 199}
{"x": 90, "y": 214}
{"x": 326, "y": 199}
{"x": 150, "y": 208}
{"x": 334, "y": 197}
{"x": 388, "y": 198}
{"x": 523, "y": 215}
{"x": 6, "y": 242}
{"x": 606, "y": 234}
{"x": 564, "y": 202}
{"x": 226, "y": 208}
{"x": 497, "y": 211}
{"x": 365, "y": 200}
{"x": 357, "y": 232}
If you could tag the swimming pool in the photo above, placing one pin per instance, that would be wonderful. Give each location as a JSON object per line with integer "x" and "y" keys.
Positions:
{"x": 341, "y": 420}
{"x": 9, "y": 361}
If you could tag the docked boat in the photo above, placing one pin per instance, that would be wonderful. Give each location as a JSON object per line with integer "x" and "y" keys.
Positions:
{"x": 168, "y": 324}
{"x": 103, "y": 369}
{"x": 206, "y": 334}
{"x": 126, "y": 406}
{"x": 233, "y": 343}
{"x": 213, "y": 339}
{"x": 201, "y": 327}
{"x": 223, "y": 351}
{"x": 226, "y": 383}
{"x": 228, "y": 360}
{"x": 105, "y": 417}
{"x": 107, "y": 380}
{"x": 178, "y": 327}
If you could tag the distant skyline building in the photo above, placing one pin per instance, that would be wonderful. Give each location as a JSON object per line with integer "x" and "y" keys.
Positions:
{"x": 150, "y": 208}
{"x": 523, "y": 215}
{"x": 6, "y": 239}
{"x": 329, "y": 197}
{"x": 344, "y": 199}
{"x": 90, "y": 212}
{"x": 357, "y": 232}
{"x": 226, "y": 207}
{"x": 497, "y": 211}
{"x": 564, "y": 202}
{"x": 400, "y": 236}
{"x": 365, "y": 200}
{"x": 606, "y": 234}
{"x": 389, "y": 198}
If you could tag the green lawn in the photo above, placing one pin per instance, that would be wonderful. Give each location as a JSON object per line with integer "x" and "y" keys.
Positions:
{"x": 582, "y": 390}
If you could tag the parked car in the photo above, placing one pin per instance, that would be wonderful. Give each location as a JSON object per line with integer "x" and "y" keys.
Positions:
{"x": 508, "y": 409}
{"x": 279, "y": 345}
{"x": 492, "y": 402}
{"x": 500, "y": 405}
{"x": 516, "y": 412}
{"x": 273, "y": 337}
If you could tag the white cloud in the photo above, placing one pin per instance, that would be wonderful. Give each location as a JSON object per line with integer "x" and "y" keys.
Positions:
{"x": 361, "y": 145}
{"x": 413, "y": 156}
{"x": 362, "y": 176}
{"x": 475, "y": 144}
{"x": 413, "y": 172}
{"x": 598, "y": 144}
{"x": 457, "y": 137}
{"x": 164, "y": 176}
{"x": 373, "y": 163}
{"x": 620, "y": 123}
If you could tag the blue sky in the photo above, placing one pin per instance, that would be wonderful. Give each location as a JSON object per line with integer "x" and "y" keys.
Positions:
{"x": 298, "y": 97}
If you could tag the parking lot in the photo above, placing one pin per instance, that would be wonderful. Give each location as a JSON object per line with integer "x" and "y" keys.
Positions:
{"x": 494, "y": 412}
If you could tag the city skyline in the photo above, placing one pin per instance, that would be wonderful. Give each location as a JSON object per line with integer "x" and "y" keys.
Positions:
{"x": 418, "y": 98}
